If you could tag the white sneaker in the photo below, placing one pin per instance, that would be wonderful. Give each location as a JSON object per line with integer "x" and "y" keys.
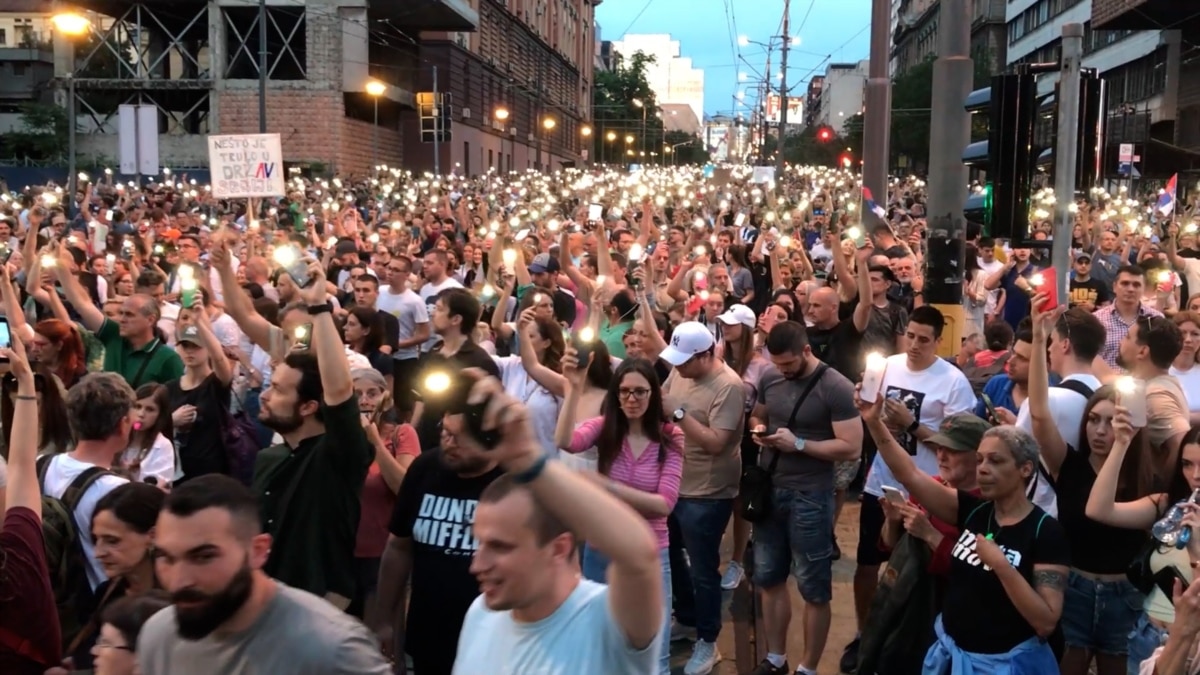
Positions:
{"x": 680, "y": 632}
{"x": 733, "y": 576}
{"x": 705, "y": 657}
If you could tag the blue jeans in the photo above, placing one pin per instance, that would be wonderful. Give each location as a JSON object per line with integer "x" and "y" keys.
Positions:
{"x": 797, "y": 537}
{"x": 595, "y": 567}
{"x": 1143, "y": 640}
{"x": 702, "y": 523}
{"x": 1099, "y": 615}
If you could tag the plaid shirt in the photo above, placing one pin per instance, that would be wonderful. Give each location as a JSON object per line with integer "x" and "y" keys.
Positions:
{"x": 1115, "y": 330}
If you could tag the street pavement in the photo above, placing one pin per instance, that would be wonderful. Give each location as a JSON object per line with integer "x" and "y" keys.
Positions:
{"x": 841, "y": 630}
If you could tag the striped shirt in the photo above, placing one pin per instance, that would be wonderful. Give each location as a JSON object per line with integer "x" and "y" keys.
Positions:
{"x": 641, "y": 473}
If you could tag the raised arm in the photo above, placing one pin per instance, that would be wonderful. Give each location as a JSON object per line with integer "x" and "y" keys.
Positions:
{"x": 326, "y": 345}
{"x": 237, "y": 303}
{"x": 1102, "y": 504}
{"x": 23, "y": 489}
{"x": 221, "y": 366}
{"x": 90, "y": 315}
{"x": 12, "y": 307}
{"x": 940, "y": 500}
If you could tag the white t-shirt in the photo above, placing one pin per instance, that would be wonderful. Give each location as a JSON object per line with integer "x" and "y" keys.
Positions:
{"x": 579, "y": 638}
{"x": 543, "y": 406}
{"x": 62, "y": 470}
{"x": 993, "y": 295}
{"x": 168, "y": 316}
{"x": 1189, "y": 382}
{"x": 429, "y": 293}
{"x": 931, "y": 395}
{"x": 410, "y": 311}
{"x": 159, "y": 462}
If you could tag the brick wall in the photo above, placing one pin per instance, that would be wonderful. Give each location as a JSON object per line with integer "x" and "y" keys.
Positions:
{"x": 358, "y": 152}
{"x": 310, "y": 123}
{"x": 1107, "y": 10}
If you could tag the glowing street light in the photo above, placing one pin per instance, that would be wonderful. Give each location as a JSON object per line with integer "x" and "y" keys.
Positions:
{"x": 637, "y": 102}
{"x": 71, "y": 23}
{"x": 629, "y": 138}
{"x": 611, "y": 136}
{"x": 376, "y": 88}
{"x": 549, "y": 123}
{"x": 585, "y": 130}
{"x": 501, "y": 114}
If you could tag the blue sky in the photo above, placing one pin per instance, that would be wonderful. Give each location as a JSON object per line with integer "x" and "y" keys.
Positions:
{"x": 708, "y": 30}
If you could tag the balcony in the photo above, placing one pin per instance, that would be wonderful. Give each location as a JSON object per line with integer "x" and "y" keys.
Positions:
{"x": 1145, "y": 15}
{"x": 435, "y": 15}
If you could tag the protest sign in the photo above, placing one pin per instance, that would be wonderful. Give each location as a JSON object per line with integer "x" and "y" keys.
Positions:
{"x": 246, "y": 165}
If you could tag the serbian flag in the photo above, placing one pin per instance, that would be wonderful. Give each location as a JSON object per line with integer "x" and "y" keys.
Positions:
{"x": 1166, "y": 201}
{"x": 870, "y": 205}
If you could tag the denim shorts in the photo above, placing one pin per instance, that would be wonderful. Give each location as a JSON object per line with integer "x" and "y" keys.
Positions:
{"x": 1143, "y": 640}
{"x": 797, "y": 537}
{"x": 1098, "y": 615}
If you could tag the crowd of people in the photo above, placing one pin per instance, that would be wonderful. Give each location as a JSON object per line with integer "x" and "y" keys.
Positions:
{"x": 505, "y": 423}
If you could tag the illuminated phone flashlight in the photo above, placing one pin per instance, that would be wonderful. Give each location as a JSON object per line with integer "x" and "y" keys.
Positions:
{"x": 770, "y": 217}
{"x": 1037, "y": 279}
{"x": 510, "y": 257}
{"x": 330, "y": 242}
{"x": 785, "y": 241}
{"x": 374, "y": 238}
{"x": 254, "y": 225}
{"x": 600, "y": 279}
{"x": 49, "y": 261}
{"x": 712, "y": 240}
{"x": 537, "y": 298}
{"x": 660, "y": 201}
{"x": 853, "y": 233}
{"x": 300, "y": 333}
{"x": 108, "y": 172}
{"x": 285, "y": 255}
{"x": 188, "y": 284}
{"x": 698, "y": 251}
{"x": 703, "y": 295}
{"x": 49, "y": 199}
{"x": 698, "y": 223}
{"x": 552, "y": 225}
{"x": 111, "y": 259}
{"x": 587, "y": 334}
{"x": 437, "y": 382}
{"x": 1147, "y": 232}
{"x": 1190, "y": 228}
{"x": 1164, "y": 276}
{"x": 83, "y": 176}
{"x": 488, "y": 291}
{"x": 636, "y": 252}
{"x": 186, "y": 272}
{"x": 1126, "y": 385}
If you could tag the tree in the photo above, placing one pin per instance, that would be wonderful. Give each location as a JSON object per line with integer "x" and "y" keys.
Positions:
{"x": 912, "y": 101}
{"x": 42, "y": 133}
{"x": 686, "y": 148}
{"x": 614, "y": 110}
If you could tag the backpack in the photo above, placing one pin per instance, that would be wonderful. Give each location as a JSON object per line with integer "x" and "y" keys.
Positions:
{"x": 979, "y": 377}
{"x": 64, "y": 551}
{"x": 240, "y": 437}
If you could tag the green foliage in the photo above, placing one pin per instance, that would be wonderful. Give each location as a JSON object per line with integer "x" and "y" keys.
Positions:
{"x": 802, "y": 147}
{"x": 691, "y": 152}
{"x": 42, "y": 133}
{"x": 614, "y": 110}
{"x": 912, "y": 99}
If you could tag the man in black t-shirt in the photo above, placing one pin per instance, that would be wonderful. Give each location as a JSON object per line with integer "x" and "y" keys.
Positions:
{"x": 839, "y": 343}
{"x": 1087, "y": 292}
{"x": 431, "y": 543}
{"x": 455, "y": 314}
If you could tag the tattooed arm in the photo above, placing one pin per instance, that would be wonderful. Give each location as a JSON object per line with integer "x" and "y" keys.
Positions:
{"x": 1039, "y": 603}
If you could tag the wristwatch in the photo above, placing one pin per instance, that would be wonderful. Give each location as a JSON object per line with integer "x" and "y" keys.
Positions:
{"x": 677, "y": 417}
{"x": 799, "y": 445}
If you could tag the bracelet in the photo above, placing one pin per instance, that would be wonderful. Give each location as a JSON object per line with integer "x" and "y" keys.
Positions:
{"x": 24, "y": 397}
{"x": 531, "y": 474}
{"x": 323, "y": 308}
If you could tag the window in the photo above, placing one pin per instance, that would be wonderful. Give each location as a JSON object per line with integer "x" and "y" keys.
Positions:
{"x": 287, "y": 43}
{"x": 3, "y": 37}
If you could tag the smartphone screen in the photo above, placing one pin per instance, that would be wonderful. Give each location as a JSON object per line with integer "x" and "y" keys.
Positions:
{"x": 595, "y": 212}
{"x": 5, "y": 337}
{"x": 741, "y": 218}
{"x": 5, "y": 254}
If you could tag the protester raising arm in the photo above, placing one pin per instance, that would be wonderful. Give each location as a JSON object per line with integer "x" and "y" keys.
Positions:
{"x": 221, "y": 367}
{"x": 326, "y": 345}
{"x": 90, "y": 316}
{"x": 237, "y": 303}
{"x": 1102, "y": 505}
{"x": 12, "y": 306}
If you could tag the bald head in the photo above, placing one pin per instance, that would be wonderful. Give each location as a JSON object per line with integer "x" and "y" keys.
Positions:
{"x": 822, "y": 309}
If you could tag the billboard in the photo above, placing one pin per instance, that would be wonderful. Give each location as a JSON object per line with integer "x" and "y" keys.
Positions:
{"x": 795, "y": 109}
{"x": 718, "y": 142}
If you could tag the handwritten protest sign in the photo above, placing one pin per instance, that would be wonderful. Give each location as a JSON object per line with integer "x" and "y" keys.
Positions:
{"x": 246, "y": 165}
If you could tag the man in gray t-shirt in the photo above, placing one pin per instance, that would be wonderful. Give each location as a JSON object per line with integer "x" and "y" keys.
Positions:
{"x": 230, "y": 617}
{"x": 802, "y": 447}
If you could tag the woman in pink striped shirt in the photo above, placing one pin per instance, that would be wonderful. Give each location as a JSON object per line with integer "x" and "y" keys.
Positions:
{"x": 639, "y": 453}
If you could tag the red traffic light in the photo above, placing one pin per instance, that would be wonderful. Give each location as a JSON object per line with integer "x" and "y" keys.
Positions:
{"x": 825, "y": 135}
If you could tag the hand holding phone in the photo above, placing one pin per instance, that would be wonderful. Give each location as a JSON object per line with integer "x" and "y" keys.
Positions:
{"x": 894, "y": 495}
{"x": 1046, "y": 283}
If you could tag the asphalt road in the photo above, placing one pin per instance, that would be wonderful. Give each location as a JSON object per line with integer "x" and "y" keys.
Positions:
{"x": 840, "y": 632}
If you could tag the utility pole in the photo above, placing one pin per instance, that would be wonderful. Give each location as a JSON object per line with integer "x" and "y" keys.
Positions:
{"x": 950, "y": 123}
{"x": 877, "y": 120}
{"x": 262, "y": 66}
{"x": 1066, "y": 155}
{"x": 783, "y": 101}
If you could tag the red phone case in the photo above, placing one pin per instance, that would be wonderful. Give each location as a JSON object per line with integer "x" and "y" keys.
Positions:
{"x": 1050, "y": 288}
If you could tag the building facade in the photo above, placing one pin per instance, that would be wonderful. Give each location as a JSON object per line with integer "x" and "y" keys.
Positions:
{"x": 842, "y": 94}
{"x": 196, "y": 62}
{"x": 26, "y": 59}
{"x": 812, "y": 100}
{"x": 915, "y": 37}
{"x": 671, "y": 77}
{"x": 1146, "y": 69}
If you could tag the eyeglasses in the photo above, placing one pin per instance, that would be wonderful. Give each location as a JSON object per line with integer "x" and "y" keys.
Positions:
{"x": 105, "y": 644}
{"x": 638, "y": 394}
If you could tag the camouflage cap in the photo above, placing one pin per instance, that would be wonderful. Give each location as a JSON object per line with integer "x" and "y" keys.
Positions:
{"x": 960, "y": 432}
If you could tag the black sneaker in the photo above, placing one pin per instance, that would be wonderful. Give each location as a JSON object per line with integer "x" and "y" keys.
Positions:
{"x": 768, "y": 668}
{"x": 849, "y": 662}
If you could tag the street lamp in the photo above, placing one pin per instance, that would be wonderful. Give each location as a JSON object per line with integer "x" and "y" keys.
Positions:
{"x": 375, "y": 89}
{"x": 637, "y": 102}
{"x": 501, "y": 115}
{"x": 548, "y": 124}
{"x": 628, "y": 139}
{"x": 73, "y": 26}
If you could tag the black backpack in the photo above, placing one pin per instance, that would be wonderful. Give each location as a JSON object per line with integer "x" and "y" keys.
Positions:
{"x": 64, "y": 551}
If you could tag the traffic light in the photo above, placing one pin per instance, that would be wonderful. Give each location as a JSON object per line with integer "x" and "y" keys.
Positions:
{"x": 824, "y": 134}
{"x": 1008, "y": 156}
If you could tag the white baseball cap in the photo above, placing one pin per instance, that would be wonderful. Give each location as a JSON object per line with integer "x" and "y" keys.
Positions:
{"x": 738, "y": 314}
{"x": 689, "y": 339}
